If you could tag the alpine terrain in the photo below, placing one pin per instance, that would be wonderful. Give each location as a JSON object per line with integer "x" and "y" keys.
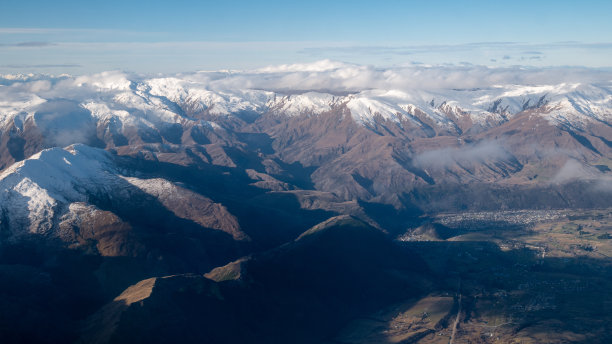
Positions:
{"x": 322, "y": 203}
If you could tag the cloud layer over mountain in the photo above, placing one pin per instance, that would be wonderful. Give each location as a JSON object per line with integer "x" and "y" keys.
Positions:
{"x": 335, "y": 76}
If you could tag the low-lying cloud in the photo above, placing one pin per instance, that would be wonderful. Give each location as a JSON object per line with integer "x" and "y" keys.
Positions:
{"x": 468, "y": 154}
{"x": 575, "y": 170}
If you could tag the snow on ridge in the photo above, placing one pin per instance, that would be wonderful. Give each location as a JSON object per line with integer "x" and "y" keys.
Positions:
{"x": 171, "y": 87}
{"x": 479, "y": 104}
{"x": 363, "y": 109}
{"x": 57, "y": 169}
{"x": 101, "y": 111}
{"x": 33, "y": 188}
{"x": 38, "y": 211}
{"x": 22, "y": 105}
{"x": 220, "y": 102}
{"x": 39, "y": 190}
{"x": 210, "y": 125}
{"x": 172, "y": 99}
{"x": 226, "y": 103}
{"x": 143, "y": 109}
{"x": 305, "y": 103}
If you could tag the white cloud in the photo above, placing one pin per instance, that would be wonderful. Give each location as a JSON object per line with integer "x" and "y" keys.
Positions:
{"x": 441, "y": 158}
{"x": 106, "y": 80}
{"x": 333, "y": 76}
{"x": 574, "y": 170}
{"x": 319, "y": 66}
{"x": 336, "y": 76}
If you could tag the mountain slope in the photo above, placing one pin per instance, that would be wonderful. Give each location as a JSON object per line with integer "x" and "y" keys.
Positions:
{"x": 119, "y": 192}
{"x": 335, "y": 270}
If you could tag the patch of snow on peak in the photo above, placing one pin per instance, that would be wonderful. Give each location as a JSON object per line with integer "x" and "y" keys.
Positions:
{"x": 174, "y": 89}
{"x": 39, "y": 206}
{"x": 390, "y": 105}
{"x": 200, "y": 98}
{"x": 34, "y": 188}
{"x": 235, "y": 102}
{"x": 306, "y": 103}
{"x": 20, "y": 104}
{"x": 102, "y": 111}
{"x": 211, "y": 125}
{"x": 60, "y": 170}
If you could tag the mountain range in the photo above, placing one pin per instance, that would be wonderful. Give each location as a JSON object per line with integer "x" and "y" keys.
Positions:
{"x": 255, "y": 202}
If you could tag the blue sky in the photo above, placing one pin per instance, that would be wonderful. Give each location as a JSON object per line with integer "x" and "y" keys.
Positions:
{"x": 163, "y": 36}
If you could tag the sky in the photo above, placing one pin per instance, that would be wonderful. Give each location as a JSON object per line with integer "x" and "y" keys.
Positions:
{"x": 79, "y": 37}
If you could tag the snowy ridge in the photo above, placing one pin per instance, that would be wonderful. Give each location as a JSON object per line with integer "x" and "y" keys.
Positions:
{"x": 20, "y": 106}
{"x": 306, "y": 103}
{"x": 59, "y": 170}
{"x": 34, "y": 188}
{"x": 56, "y": 185}
{"x": 131, "y": 101}
{"x": 201, "y": 99}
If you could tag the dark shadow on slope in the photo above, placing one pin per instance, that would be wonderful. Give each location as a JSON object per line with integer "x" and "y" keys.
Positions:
{"x": 307, "y": 290}
{"x": 247, "y": 116}
{"x": 171, "y": 132}
{"x": 244, "y": 159}
{"x": 395, "y": 221}
{"x": 45, "y": 291}
{"x": 175, "y": 244}
{"x": 296, "y": 174}
{"x": 269, "y": 219}
{"x": 149, "y": 135}
{"x": 15, "y": 147}
{"x": 301, "y": 292}
{"x": 198, "y": 134}
{"x": 363, "y": 182}
{"x": 257, "y": 142}
{"x": 583, "y": 141}
{"x": 114, "y": 128}
{"x": 7, "y": 229}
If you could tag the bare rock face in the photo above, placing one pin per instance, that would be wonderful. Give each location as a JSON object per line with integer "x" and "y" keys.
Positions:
{"x": 85, "y": 224}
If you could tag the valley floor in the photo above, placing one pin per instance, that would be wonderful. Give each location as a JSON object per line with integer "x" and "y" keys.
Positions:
{"x": 541, "y": 279}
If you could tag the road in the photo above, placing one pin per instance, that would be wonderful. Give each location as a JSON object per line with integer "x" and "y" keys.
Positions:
{"x": 456, "y": 323}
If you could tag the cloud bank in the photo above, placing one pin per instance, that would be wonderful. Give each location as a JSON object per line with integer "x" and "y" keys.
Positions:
{"x": 337, "y": 76}
{"x": 331, "y": 76}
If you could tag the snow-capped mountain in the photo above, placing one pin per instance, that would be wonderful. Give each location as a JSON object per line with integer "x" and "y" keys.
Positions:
{"x": 284, "y": 172}
{"x": 287, "y": 133}
{"x": 122, "y": 102}
{"x": 57, "y": 190}
{"x": 34, "y": 188}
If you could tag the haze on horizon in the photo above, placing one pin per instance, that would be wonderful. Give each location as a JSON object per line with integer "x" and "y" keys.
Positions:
{"x": 162, "y": 37}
